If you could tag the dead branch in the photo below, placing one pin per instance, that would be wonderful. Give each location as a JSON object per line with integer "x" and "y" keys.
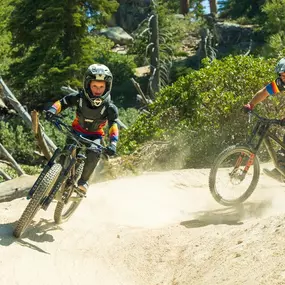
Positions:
{"x": 12, "y": 160}
{"x": 39, "y": 135}
{"x": 137, "y": 86}
{"x": 22, "y": 112}
{"x": 5, "y": 175}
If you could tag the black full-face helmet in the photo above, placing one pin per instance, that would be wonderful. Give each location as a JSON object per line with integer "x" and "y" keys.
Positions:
{"x": 280, "y": 67}
{"x": 98, "y": 72}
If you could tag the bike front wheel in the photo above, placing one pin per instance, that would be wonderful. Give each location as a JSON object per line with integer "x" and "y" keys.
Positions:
{"x": 64, "y": 210}
{"x": 41, "y": 192}
{"x": 234, "y": 175}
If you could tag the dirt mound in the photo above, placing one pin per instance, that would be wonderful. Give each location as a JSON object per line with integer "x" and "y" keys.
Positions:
{"x": 157, "y": 228}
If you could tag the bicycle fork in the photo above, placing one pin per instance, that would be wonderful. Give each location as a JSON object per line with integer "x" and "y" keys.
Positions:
{"x": 60, "y": 181}
{"x": 249, "y": 163}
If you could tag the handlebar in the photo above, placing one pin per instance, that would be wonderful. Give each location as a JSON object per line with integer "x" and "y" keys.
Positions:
{"x": 266, "y": 120}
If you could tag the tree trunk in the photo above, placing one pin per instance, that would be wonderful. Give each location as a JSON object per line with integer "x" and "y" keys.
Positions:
{"x": 154, "y": 57}
{"x": 213, "y": 6}
{"x": 184, "y": 7}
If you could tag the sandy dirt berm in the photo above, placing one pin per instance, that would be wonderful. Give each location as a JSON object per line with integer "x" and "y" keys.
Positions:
{"x": 157, "y": 228}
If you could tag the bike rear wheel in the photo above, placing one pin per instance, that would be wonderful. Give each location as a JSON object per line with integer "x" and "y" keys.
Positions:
{"x": 63, "y": 211}
{"x": 39, "y": 195}
{"x": 234, "y": 175}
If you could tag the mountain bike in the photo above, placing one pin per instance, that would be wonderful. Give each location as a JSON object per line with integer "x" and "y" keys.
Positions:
{"x": 237, "y": 168}
{"x": 58, "y": 179}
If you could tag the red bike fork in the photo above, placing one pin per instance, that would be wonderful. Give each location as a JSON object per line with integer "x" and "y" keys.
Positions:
{"x": 248, "y": 164}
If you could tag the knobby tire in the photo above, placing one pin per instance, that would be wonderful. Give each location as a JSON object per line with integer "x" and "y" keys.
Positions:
{"x": 35, "y": 203}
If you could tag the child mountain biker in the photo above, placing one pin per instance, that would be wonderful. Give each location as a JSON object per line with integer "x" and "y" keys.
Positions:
{"x": 94, "y": 110}
{"x": 276, "y": 86}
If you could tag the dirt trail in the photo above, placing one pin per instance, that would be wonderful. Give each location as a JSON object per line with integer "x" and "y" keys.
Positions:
{"x": 158, "y": 228}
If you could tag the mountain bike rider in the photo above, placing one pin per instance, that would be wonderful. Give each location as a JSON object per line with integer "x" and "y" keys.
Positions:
{"x": 94, "y": 109}
{"x": 276, "y": 86}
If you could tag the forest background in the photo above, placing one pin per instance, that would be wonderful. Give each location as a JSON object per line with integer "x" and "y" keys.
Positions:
{"x": 196, "y": 111}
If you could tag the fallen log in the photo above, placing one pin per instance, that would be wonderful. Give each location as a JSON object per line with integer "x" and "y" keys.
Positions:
{"x": 16, "y": 188}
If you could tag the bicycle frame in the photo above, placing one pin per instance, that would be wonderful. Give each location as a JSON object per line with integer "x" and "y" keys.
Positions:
{"x": 270, "y": 149}
{"x": 261, "y": 129}
{"x": 57, "y": 180}
{"x": 68, "y": 157}
{"x": 230, "y": 168}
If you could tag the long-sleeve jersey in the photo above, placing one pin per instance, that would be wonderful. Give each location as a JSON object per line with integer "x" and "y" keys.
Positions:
{"x": 275, "y": 86}
{"x": 90, "y": 120}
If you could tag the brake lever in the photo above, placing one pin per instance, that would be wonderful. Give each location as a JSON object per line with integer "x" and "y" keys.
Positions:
{"x": 249, "y": 117}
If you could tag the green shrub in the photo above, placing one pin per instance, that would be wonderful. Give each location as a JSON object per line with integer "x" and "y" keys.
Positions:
{"x": 201, "y": 113}
{"x": 18, "y": 141}
{"x": 128, "y": 116}
{"x": 32, "y": 170}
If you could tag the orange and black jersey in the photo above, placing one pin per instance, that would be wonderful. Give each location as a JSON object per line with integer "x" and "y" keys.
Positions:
{"x": 90, "y": 120}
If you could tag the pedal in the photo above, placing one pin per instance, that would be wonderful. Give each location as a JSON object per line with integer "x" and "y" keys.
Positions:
{"x": 79, "y": 192}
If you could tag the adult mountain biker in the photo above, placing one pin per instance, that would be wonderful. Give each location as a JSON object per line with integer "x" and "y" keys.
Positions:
{"x": 94, "y": 109}
{"x": 274, "y": 87}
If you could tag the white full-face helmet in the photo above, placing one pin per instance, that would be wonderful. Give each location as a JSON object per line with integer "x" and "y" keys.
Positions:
{"x": 280, "y": 67}
{"x": 98, "y": 72}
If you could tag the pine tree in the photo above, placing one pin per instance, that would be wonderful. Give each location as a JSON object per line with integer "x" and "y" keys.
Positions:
{"x": 51, "y": 40}
{"x": 241, "y": 8}
{"x": 5, "y": 39}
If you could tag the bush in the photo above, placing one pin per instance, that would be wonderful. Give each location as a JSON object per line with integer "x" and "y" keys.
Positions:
{"x": 18, "y": 140}
{"x": 128, "y": 116}
{"x": 201, "y": 113}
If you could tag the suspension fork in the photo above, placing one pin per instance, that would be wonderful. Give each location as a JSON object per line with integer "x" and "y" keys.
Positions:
{"x": 261, "y": 130}
{"x": 249, "y": 163}
{"x": 47, "y": 167}
{"x": 62, "y": 177}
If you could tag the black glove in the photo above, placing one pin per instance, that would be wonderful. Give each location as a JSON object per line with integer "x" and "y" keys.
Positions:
{"x": 248, "y": 107}
{"x": 111, "y": 149}
{"x": 50, "y": 115}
